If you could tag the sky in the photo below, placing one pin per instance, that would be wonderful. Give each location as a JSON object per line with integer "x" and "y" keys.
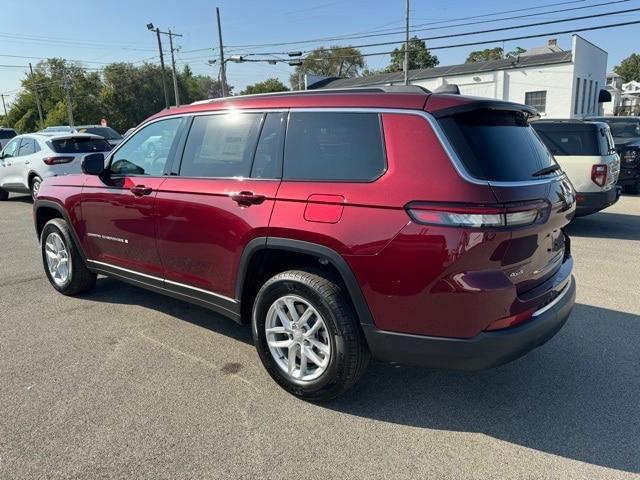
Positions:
{"x": 100, "y": 32}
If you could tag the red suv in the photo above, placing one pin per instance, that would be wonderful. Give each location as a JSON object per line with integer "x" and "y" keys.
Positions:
{"x": 388, "y": 222}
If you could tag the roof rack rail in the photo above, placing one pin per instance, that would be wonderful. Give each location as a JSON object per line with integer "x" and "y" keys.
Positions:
{"x": 327, "y": 91}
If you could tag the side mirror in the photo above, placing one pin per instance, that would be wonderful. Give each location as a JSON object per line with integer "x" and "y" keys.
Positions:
{"x": 93, "y": 164}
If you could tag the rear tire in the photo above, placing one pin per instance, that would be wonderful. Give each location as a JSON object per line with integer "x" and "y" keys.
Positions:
{"x": 332, "y": 348}
{"x": 62, "y": 262}
{"x": 3, "y": 195}
{"x": 34, "y": 186}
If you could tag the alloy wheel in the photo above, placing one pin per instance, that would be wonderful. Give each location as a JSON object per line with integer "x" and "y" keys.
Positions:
{"x": 58, "y": 259}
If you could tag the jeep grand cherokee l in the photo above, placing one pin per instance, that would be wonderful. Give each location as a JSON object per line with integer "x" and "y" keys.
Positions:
{"x": 388, "y": 222}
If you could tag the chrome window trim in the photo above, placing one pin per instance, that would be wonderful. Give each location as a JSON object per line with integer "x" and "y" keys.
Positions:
{"x": 444, "y": 142}
{"x": 159, "y": 279}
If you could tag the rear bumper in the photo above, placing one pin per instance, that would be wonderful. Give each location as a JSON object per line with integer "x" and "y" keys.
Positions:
{"x": 588, "y": 203}
{"x": 487, "y": 349}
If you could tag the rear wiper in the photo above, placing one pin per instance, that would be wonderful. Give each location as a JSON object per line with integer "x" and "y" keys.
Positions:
{"x": 546, "y": 170}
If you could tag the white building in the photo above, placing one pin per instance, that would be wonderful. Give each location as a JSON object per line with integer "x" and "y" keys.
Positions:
{"x": 560, "y": 84}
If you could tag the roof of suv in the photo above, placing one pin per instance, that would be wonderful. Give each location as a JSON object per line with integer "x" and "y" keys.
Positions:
{"x": 401, "y": 97}
{"x": 45, "y": 136}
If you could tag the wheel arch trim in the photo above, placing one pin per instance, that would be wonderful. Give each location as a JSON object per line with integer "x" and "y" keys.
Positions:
{"x": 38, "y": 204}
{"x": 301, "y": 246}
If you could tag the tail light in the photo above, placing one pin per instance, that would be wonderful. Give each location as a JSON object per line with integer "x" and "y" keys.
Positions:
{"x": 474, "y": 216}
{"x": 57, "y": 160}
{"x": 511, "y": 321}
{"x": 599, "y": 174}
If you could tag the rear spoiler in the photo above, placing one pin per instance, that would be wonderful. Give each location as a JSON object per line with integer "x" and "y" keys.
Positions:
{"x": 486, "y": 104}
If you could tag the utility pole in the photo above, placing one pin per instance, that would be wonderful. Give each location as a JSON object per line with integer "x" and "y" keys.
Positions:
{"x": 406, "y": 46}
{"x": 4, "y": 105}
{"x": 223, "y": 75}
{"x": 173, "y": 64}
{"x": 151, "y": 28}
{"x": 65, "y": 84}
{"x": 35, "y": 92}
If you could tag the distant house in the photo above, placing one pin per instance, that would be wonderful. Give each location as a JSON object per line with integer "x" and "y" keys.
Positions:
{"x": 559, "y": 83}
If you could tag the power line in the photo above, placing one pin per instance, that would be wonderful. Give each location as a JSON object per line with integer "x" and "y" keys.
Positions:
{"x": 348, "y": 36}
{"x": 492, "y": 30}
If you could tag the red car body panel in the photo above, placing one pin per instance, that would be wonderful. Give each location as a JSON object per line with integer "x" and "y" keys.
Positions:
{"x": 418, "y": 279}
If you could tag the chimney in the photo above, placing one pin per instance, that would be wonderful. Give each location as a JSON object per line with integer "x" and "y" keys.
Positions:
{"x": 553, "y": 42}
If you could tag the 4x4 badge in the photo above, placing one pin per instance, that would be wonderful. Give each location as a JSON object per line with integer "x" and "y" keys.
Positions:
{"x": 516, "y": 273}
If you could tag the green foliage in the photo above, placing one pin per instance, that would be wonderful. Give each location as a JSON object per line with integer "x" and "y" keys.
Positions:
{"x": 485, "y": 55}
{"x": 419, "y": 56}
{"x": 496, "y": 53}
{"x": 334, "y": 61}
{"x": 269, "y": 85}
{"x": 124, "y": 93}
{"x": 629, "y": 68}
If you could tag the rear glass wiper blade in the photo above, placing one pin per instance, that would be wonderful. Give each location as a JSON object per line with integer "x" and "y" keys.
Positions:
{"x": 546, "y": 170}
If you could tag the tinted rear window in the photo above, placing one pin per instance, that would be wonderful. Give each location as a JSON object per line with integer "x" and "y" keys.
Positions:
{"x": 497, "y": 145}
{"x": 622, "y": 127}
{"x": 107, "y": 133}
{"x": 569, "y": 139}
{"x": 80, "y": 145}
{"x": 334, "y": 146}
{"x": 4, "y": 134}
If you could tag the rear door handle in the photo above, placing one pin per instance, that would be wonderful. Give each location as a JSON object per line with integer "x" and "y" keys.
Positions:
{"x": 140, "y": 190}
{"x": 247, "y": 199}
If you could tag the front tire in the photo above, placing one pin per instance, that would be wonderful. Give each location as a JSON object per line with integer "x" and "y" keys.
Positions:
{"x": 308, "y": 336}
{"x": 62, "y": 262}
{"x": 35, "y": 186}
{"x": 3, "y": 195}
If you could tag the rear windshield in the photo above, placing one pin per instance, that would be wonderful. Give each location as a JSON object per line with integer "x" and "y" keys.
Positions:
{"x": 107, "y": 133}
{"x": 622, "y": 127}
{"x": 4, "y": 134}
{"x": 497, "y": 145}
{"x": 576, "y": 140}
{"x": 80, "y": 145}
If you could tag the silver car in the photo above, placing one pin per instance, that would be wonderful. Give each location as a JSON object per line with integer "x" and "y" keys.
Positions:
{"x": 28, "y": 159}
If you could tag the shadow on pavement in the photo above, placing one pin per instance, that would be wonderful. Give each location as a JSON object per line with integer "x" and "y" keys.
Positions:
{"x": 606, "y": 225}
{"x": 578, "y": 396}
{"x": 19, "y": 198}
{"x": 108, "y": 290}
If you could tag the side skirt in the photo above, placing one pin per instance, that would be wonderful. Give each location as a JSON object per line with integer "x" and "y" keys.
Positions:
{"x": 228, "y": 307}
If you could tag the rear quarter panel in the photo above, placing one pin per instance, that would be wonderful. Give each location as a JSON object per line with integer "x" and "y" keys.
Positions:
{"x": 578, "y": 169}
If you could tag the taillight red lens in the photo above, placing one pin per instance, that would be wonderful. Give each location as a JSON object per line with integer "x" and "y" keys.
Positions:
{"x": 474, "y": 216}
{"x": 57, "y": 160}
{"x": 599, "y": 174}
{"x": 511, "y": 321}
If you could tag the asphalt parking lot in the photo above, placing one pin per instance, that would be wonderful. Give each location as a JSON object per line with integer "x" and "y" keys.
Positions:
{"x": 124, "y": 383}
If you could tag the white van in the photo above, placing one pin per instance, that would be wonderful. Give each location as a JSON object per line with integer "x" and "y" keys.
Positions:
{"x": 587, "y": 154}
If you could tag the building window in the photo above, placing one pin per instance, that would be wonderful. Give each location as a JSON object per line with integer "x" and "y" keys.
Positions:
{"x": 584, "y": 93}
{"x": 589, "y": 100}
{"x": 537, "y": 100}
{"x": 575, "y": 105}
{"x": 596, "y": 107}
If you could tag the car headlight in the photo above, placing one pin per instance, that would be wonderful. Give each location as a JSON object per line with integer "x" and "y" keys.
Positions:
{"x": 629, "y": 156}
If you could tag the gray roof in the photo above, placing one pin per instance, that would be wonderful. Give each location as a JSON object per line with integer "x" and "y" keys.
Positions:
{"x": 463, "y": 69}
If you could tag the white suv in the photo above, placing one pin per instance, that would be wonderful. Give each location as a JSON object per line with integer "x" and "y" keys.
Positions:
{"x": 586, "y": 153}
{"x": 28, "y": 159}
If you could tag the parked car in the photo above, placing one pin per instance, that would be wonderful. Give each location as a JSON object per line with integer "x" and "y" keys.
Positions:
{"x": 108, "y": 133}
{"x": 58, "y": 129}
{"x": 419, "y": 228}
{"x": 586, "y": 153}
{"x": 626, "y": 136}
{"x": 29, "y": 159}
{"x": 6, "y": 134}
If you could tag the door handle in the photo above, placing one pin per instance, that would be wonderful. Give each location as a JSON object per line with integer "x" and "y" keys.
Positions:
{"x": 140, "y": 190}
{"x": 246, "y": 199}
{"x": 27, "y": 162}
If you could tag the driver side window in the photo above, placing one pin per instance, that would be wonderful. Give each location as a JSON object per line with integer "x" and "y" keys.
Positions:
{"x": 11, "y": 149}
{"x": 146, "y": 152}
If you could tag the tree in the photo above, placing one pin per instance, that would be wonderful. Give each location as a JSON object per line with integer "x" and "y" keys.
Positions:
{"x": 333, "y": 61}
{"x": 485, "y": 55}
{"x": 419, "y": 56}
{"x": 516, "y": 52}
{"x": 629, "y": 68}
{"x": 269, "y": 85}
